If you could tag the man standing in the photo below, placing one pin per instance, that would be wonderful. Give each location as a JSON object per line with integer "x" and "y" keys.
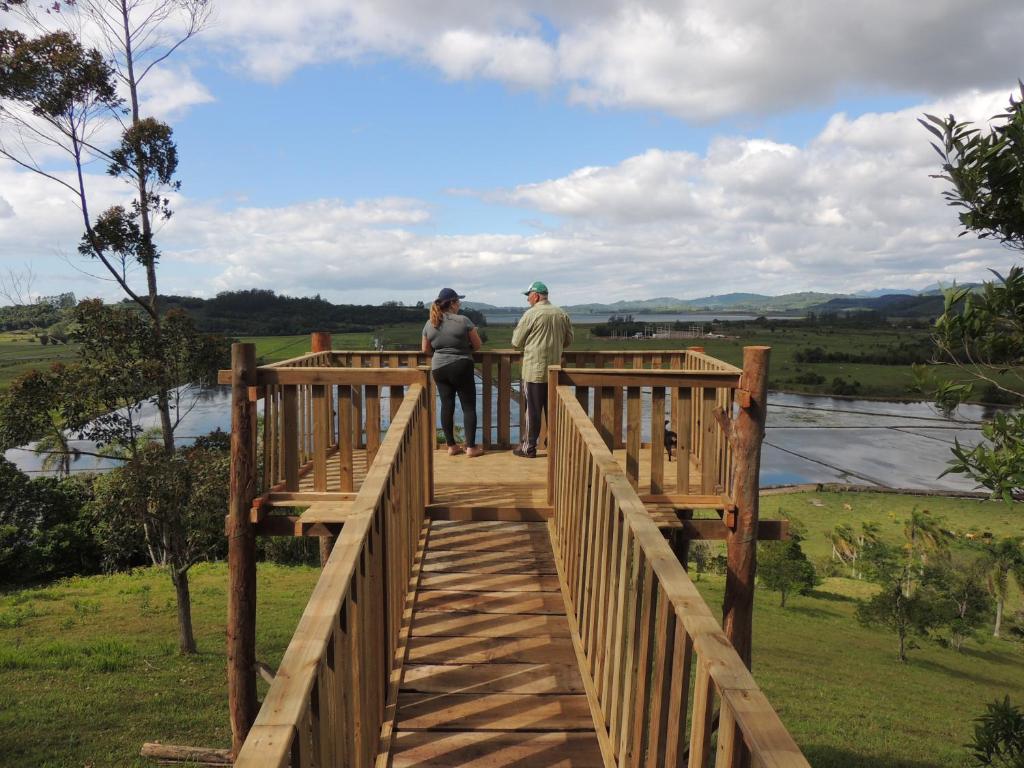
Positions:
{"x": 542, "y": 333}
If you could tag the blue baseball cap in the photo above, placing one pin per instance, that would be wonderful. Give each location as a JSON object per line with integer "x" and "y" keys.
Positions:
{"x": 448, "y": 294}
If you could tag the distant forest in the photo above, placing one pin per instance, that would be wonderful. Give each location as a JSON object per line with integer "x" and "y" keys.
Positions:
{"x": 264, "y": 313}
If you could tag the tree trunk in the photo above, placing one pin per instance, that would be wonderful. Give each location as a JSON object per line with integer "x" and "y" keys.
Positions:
{"x": 186, "y": 640}
{"x": 903, "y": 646}
{"x": 999, "y": 617}
{"x": 782, "y": 600}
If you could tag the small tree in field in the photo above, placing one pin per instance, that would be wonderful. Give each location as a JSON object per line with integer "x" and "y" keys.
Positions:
{"x": 905, "y": 613}
{"x": 1003, "y": 559}
{"x": 782, "y": 565}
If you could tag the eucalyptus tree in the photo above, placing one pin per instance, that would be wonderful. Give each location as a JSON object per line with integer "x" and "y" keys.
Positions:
{"x": 70, "y": 79}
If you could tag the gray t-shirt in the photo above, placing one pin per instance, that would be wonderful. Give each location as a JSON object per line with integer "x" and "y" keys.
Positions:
{"x": 450, "y": 340}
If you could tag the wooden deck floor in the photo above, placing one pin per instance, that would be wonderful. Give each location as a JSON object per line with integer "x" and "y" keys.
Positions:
{"x": 491, "y": 676}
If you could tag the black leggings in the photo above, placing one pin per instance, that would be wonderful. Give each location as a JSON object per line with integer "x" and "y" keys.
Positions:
{"x": 457, "y": 379}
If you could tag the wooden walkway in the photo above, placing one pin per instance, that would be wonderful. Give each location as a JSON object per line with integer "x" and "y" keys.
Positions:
{"x": 491, "y": 676}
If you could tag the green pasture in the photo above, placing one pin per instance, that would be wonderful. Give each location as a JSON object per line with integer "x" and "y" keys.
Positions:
{"x": 89, "y": 668}
{"x": 20, "y": 353}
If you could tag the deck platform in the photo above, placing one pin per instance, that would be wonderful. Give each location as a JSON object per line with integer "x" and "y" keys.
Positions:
{"x": 491, "y": 675}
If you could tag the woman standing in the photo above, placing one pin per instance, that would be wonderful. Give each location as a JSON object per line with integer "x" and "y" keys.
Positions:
{"x": 452, "y": 339}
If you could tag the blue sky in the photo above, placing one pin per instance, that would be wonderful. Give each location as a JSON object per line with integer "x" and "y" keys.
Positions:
{"x": 376, "y": 150}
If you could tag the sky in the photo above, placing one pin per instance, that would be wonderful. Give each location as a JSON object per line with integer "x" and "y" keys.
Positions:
{"x": 373, "y": 150}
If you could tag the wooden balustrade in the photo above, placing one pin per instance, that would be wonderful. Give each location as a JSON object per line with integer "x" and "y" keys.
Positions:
{"x": 327, "y": 702}
{"x": 692, "y": 402}
{"x": 644, "y": 634}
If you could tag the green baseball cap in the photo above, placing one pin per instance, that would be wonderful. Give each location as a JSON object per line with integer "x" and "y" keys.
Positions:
{"x": 536, "y": 287}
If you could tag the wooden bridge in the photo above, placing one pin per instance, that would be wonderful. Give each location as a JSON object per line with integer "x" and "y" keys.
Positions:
{"x": 499, "y": 611}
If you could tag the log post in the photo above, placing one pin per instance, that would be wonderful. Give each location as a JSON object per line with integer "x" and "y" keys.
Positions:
{"x": 241, "y": 628}
{"x": 320, "y": 341}
{"x": 741, "y": 542}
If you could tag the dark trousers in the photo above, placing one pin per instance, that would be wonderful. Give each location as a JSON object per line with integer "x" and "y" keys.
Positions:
{"x": 536, "y": 407}
{"x": 457, "y": 379}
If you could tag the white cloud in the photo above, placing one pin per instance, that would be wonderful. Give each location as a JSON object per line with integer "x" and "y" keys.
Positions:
{"x": 853, "y": 208}
{"x": 691, "y": 58}
{"x": 168, "y": 92}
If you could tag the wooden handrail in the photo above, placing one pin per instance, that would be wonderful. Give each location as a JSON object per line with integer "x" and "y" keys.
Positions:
{"x": 326, "y": 703}
{"x": 643, "y": 631}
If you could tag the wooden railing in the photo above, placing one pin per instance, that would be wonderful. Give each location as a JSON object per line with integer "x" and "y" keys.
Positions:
{"x": 326, "y": 704}
{"x": 644, "y": 633}
{"x": 694, "y": 402}
{"x": 501, "y": 389}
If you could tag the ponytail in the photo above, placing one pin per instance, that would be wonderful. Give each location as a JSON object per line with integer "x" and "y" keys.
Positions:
{"x": 437, "y": 311}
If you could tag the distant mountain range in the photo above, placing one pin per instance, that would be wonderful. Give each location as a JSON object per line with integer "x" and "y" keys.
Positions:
{"x": 891, "y": 301}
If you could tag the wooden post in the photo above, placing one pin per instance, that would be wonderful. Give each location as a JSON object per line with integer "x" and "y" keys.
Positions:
{"x": 320, "y": 341}
{"x": 741, "y": 542}
{"x": 430, "y": 432}
{"x": 554, "y": 371}
{"x": 241, "y": 628}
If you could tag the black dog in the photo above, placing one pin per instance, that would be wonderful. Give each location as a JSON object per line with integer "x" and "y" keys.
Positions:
{"x": 671, "y": 441}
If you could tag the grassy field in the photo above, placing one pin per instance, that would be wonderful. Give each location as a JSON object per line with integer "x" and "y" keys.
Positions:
{"x": 20, "y": 353}
{"x": 89, "y": 669}
{"x": 876, "y": 381}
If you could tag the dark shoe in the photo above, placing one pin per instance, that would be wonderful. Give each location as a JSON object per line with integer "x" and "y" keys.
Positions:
{"x": 524, "y": 453}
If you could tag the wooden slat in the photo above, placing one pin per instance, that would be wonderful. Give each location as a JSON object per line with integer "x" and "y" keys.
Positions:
{"x": 346, "y": 469}
{"x": 372, "y": 422}
{"x": 627, "y": 377}
{"x": 321, "y": 437}
{"x": 492, "y": 678}
{"x": 290, "y": 437}
{"x": 448, "y": 624}
{"x": 709, "y": 443}
{"x": 657, "y": 439}
{"x": 533, "y": 649}
{"x": 490, "y": 602}
{"x": 633, "y": 416}
{"x": 682, "y": 418}
{"x": 486, "y": 374}
{"x": 480, "y": 582}
{"x": 493, "y": 712}
{"x": 504, "y": 398}
{"x": 522, "y": 749}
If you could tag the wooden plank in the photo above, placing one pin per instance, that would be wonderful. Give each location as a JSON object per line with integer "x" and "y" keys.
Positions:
{"x": 657, "y": 439}
{"x": 618, "y": 362}
{"x": 504, "y": 399}
{"x": 492, "y": 678}
{"x": 372, "y": 422}
{"x": 606, "y": 426}
{"x": 606, "y": 377}
{"x": 321, "y": 437}
{"x": 633, "y": 436}
{"x": 682, "y": 418}
{"x": 267, "y": 376}
{"x": 486, "y": 374}
{"x": 533, "y": 514}
{"x": 493, "y": 712}
{"x": 446, "y": 624}
{"x": 487, "y": 541}
{"x": 490, "y": 602}
{"x": 480, "y": 582}
{"x": 429, "y": 749}
{"x": 531, "y": 649}
{"x": 346, "y": 442}
{"x": 494, "y": 562}
{"x": 290, "y": 439}
{"x": 709, "y": 443}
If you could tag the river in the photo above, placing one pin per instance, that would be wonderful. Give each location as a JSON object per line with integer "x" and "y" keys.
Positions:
{"x": 809, "y": 439}
{"x": 579, "y": 318}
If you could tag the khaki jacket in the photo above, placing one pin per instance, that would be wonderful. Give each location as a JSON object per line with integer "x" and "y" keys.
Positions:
{"x": 542, "y": 333}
